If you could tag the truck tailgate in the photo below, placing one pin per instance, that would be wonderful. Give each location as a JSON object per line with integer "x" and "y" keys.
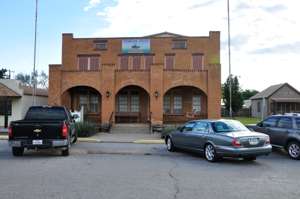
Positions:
{"x": 37, "y": 129}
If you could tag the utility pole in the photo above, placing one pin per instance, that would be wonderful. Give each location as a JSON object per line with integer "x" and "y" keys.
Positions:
{"x": 33, "y": 78}
{"x": 229, "y": 61}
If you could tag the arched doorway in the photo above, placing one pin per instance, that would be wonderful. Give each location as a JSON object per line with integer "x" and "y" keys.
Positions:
{"x": 184, "y": 103}
{"x": 132, "y": 105}
{"x": 86, "y": 98}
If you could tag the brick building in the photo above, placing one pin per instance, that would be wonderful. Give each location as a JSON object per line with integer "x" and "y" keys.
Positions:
{"x": 162, "y": 78}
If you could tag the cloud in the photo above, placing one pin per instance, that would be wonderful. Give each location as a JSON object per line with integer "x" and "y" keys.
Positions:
{"x": 258, "y": 35}
{"x": 198, "y": 5}
{"x": 280, "y": 49}
{"x": 92, "y": 4}
{"x": 275, "y": 8}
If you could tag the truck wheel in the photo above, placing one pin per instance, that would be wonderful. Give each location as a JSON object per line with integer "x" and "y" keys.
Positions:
{"x": 17, "y": 151}
{"x": 65, "y": 152}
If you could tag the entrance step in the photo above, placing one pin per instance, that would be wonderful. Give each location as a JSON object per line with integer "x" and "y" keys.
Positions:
{"x": 130, "y": 128}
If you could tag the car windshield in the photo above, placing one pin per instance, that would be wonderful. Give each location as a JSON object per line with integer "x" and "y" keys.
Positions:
{"x": 228, "y": 126}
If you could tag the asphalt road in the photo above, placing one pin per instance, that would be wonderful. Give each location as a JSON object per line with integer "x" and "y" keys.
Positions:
{"x": 121, "y": 171}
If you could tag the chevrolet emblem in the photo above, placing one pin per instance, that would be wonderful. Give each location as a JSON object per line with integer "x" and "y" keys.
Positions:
{"x": 37, "y": 130}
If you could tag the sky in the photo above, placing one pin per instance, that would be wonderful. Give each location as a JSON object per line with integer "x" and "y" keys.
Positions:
{"x": 265, "y": 34}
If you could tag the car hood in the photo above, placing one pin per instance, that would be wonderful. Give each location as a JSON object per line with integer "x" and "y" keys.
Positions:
{"x": 244, "y": 134}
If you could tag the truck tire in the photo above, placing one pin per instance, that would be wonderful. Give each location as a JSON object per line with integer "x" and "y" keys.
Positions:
{"x": 65, "y": 152}
{"x": 17, "y": 151}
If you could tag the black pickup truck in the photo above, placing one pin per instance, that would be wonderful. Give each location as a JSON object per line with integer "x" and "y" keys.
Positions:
{"x": 43, "y": 127}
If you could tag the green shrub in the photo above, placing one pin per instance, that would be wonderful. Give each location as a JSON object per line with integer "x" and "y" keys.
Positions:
{"x": 85, "y": 129}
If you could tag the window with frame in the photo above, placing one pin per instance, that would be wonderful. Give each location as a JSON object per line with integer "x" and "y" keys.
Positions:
{"x": 86, "y": 62}
{"x": 136, "y": 62}
{"x": 83, "y": 102}
{"x": 258, "y": 107}
{"x": 188, "y": 127}
{"x": 198, "y": 61}
{"x": 148, "y": 61}
{"x": 94, "y": 103}
{"x": 179, "y": 44}
{"x": 124, "y": 60}
{"x": 169, "y": 62}
{"x": 135, "y": 103}
{"x": 177, "y": 104}
{"x": 270, "y": 122}
{"x": 297, "y": 123}
{"x": 123, "y": 104}
{"x": 101, "y": 45}
{"x": 196, "y": 103}
{"x": 285, "y": 122}
{"x": 201, "y": 127}
{"x": 167, "y": 104}
{"x": 8, "y": 106}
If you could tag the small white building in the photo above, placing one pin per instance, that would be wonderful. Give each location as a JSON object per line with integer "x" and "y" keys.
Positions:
{"x": 19, "y": 99}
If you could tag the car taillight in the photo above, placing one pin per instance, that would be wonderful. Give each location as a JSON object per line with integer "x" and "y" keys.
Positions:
{"x": 236, "y": 142}
{"x": 64, "y": 131}
{"x": 268, "y": 140}
{"x": 10, "y": 132}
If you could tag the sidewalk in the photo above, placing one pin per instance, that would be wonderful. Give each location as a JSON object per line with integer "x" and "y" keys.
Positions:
{"x": 137, "y": 138}
{"x": 118, "y": 138}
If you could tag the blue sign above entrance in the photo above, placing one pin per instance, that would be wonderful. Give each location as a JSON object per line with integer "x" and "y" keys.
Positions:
{"x": 136, "y": 46}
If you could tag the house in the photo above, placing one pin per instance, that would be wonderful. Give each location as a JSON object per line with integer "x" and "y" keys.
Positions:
{"x": 160, "y": 78}
{"x": 276, "y": 99}
{"x": 18, "y": 99}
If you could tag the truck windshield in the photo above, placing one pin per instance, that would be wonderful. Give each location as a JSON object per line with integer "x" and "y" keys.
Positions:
{"x": 46, "y": 113}
{"x": 228, "y": 126}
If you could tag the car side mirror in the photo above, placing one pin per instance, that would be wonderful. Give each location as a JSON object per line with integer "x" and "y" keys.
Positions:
{"x": 260, "y": 124}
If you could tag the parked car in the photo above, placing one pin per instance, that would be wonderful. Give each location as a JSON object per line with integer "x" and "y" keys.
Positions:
{"x": 284, "y": 132}
{"x": 76, "y": 116}
{"x": 43, "y": 127}
{"x": 219, "y": 138}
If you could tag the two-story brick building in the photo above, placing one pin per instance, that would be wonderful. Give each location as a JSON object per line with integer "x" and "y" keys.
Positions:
{"x": 162, "y": 78}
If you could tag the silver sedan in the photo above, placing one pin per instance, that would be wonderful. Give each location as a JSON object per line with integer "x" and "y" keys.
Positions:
{"x": 219, "y": 138}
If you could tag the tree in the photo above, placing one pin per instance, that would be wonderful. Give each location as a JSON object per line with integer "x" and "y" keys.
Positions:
{"x": 3, "y": 74}
{"x": 248, "y": 93}
{"x": 237, "y": 99}
{"x": 24, "y": 78}
{"x": 43, "y": 80}
{"x": 40, "y": 79}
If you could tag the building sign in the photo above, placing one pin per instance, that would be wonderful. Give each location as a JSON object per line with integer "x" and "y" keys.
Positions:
{"x": 136, "y": 46}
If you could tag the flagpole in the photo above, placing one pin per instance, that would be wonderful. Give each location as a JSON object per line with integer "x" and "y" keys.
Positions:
{"x": 229, "y": 60}
{"x": 33, "y": 78}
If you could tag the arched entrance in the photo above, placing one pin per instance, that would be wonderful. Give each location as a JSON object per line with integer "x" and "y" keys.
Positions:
{"x": 132, "y": 105}
{"x": 184, "y": 103}
{"x": 86, "y": 98}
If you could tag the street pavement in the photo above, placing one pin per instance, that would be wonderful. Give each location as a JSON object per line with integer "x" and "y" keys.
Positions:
{"x": 142, "y": 171}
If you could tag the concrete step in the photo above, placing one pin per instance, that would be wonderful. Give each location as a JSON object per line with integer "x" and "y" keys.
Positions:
{"x": 130, "y": 128}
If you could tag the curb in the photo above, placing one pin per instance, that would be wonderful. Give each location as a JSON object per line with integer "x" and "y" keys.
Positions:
{"x": 3, "y": 137}
{"x": 149, "y": 141}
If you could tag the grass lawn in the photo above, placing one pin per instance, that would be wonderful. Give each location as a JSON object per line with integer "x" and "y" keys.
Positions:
{"x": 247, "y": 120}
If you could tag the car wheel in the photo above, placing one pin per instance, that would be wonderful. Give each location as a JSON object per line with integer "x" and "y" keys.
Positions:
{"x": 170, "y": 145}
{"x": 251, "y": 158}
{"x": 294, "y": 150}
{"x": 210, "y": 153}
{"x": 17, "y": 151}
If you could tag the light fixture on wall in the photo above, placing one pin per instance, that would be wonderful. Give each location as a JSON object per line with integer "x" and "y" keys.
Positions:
{"x": 108, "y": 94}
{"x": 156, "y": 94}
